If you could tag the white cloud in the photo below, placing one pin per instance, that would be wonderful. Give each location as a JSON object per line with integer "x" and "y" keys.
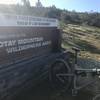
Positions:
{"x": 16, "y": 1}
{"x": 32, "y": 2}
{"x": 8, "y": 1}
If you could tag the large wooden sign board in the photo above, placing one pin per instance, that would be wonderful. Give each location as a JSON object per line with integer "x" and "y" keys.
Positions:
{"x": 22, "y": 37}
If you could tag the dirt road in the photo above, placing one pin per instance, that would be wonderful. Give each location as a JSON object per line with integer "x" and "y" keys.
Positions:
{"x": 43, "y": 91}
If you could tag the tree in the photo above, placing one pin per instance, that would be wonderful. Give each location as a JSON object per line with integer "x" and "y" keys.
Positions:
{"x": 26, "y": 3}
{"x": 54, "y": 12}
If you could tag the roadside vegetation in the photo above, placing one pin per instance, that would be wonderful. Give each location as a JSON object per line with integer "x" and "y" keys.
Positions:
{"x": 87, "y": 38}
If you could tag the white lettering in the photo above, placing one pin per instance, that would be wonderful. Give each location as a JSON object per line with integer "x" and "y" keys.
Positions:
{"x": 30, "y": 21}
{"x": 24, "y": 44}
{"x": 1, "y": 44}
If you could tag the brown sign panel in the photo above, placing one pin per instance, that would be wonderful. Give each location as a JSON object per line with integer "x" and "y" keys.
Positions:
{"x": 19, "y": 43}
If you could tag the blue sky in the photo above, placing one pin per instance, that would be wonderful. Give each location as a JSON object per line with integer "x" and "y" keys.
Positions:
{"x": 78, "y": 5}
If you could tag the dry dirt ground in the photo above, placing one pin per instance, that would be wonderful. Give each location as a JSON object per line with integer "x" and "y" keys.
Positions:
{"x": 43, "y": 91}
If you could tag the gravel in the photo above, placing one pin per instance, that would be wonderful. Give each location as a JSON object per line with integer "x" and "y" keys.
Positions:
{"x": 88, "y": 63}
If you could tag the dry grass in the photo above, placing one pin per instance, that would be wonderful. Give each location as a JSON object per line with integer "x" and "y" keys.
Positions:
{"x": 86, "y": 38}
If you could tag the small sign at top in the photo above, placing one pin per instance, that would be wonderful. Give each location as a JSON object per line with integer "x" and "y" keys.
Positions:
{"x": 28, "y": 21}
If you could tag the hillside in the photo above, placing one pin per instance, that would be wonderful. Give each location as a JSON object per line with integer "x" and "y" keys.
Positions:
{"x": 68, "y": 17}
{"x": 23, "y": 10}
{"x": 87, "y": 38}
